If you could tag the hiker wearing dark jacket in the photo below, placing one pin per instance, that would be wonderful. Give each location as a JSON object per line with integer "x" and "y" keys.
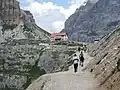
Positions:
{"x": 81, "y": 57}
{"x": 79, "y": 49}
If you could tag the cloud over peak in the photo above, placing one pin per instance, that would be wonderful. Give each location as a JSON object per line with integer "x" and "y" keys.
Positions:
{"x": 48, "y": 15}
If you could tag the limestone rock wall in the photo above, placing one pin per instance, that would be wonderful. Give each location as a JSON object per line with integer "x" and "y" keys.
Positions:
{"x": 10, "y": 11}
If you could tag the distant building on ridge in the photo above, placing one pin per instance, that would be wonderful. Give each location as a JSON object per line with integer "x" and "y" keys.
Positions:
{"x": 59, "y": 37}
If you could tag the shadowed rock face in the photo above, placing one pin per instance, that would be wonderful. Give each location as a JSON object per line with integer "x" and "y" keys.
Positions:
{"x": 106, "y": 64}
{"x": 92, "y": 21}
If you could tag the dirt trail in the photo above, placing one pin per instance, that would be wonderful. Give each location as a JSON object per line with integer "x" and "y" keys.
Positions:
{"x": 82, "y": 80}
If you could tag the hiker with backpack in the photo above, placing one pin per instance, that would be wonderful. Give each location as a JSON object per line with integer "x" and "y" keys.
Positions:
{"x": 81, "y": 57}
{"x": 75, "y": 62}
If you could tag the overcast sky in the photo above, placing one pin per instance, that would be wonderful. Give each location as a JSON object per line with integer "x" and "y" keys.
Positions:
{"x": 51, "y": 14}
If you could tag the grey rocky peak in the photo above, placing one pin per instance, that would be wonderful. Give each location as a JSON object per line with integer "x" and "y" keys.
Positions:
{"x": 16, "y": 23}
{"x": 27, "y": 16}
{"x": 92, "y": 21}
{"x": 10, "y": 11}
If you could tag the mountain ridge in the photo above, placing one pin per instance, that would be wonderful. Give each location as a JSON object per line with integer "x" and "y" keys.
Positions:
{"x": 88, "y": 26}
{"x": 16, "y": 23}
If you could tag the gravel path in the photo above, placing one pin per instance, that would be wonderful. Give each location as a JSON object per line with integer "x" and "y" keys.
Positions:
{"x": 82, "y": 80}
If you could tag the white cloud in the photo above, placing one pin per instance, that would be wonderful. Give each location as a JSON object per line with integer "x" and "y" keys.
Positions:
{"x": 57, "y": 25}
{"x": 49, "y": 16}
{"x": 77, "y": 2}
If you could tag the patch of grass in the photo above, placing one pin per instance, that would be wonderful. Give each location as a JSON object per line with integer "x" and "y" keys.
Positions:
{"x": 36, "y": 71}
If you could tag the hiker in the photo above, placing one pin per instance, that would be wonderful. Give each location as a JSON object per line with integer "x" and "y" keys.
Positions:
{"x": 81, "y": 53}
{"x": 79, "y": 49}
{"x": 81, "y": 57}
{"x": 75, "y": 61}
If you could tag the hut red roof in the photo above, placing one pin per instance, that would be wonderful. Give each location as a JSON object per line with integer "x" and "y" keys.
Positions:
{"x": 58, "y": 34}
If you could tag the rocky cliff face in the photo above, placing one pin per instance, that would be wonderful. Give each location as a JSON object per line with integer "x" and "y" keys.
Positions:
{"x": 106, "y": 64}
{"x": 18, "y": 24}
{"x": 19, "y": 46}
{"x": 18, "y": 65}
{"x": 92, "y": 21}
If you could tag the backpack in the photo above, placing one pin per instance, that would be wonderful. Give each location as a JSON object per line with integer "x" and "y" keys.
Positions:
{"x": 81, "y": 58}
{"x": 76, "y": 61}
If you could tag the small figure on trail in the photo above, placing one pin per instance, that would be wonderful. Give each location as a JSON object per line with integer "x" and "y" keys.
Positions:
{"x": 81, "y": 57}
{"x": 79, "y": 49}
{"x": 81, "y": 53}
{"x": 75, "y": 61}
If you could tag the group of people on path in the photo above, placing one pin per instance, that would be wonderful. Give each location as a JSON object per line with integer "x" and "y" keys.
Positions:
{"x": 78, "y": 60}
